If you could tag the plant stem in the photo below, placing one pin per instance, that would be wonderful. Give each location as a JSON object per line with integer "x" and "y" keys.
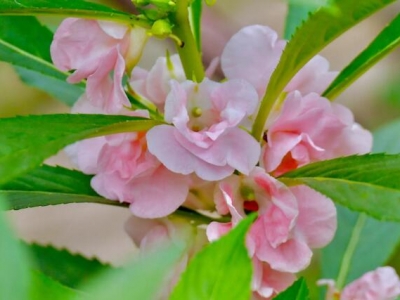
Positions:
{"x": 190, "y": 56}
{"x": 266, "y": 106}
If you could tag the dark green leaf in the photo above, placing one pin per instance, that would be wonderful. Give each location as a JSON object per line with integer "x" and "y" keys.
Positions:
{"x": 14, "y": 272}
{"x": 387, "y": 138}
{"x": 297, "y": 291}
{"x": 30, "y": 53}
{"x": 76, "y": 8}
{"x": 26, "y": 141}
{"x": 368, "y": 183}
{"x": 48, "y": 185}
{"x": 321, "y": 28}
{"x": 382, "y": 45}
{"x": 220, "y": 271}
{"x": 196, "y": 7}
{"x": 68, "y": 269}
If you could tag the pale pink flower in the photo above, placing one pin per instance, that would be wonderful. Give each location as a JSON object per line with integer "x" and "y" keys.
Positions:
{"x": 95, "y": 49}
{"x": 262, "y": 52}
{"x": 290, "y": 221}
{"x": 308, "y": 129}
{"x": 380, "y": 284}
{"x": 205, "y": 138}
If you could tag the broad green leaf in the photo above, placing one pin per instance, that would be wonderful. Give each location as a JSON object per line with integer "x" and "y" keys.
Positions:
{"x": 67, "y": 8}
{"x": 321, "y": 28}
{"x": 48, "y": 185}
{"x": 361, "y": 244}
{"x": 382, "y": 45}
{"x": 14, "y": 269}
{"x": 367, "y": 183}
{"x": 26, "y": 141}
{"x": 387, "y": 138}
{"x": 25, "y": 43}
{"x": 196, "y": 10}
{"x": 222, "y": 270}
{"x": 143, "y": 279}
{"x": 298, "y": 11}
{"x": 44, "y": 287}
{"x": 70, "y": 270}
{"x": 297, "y": 291}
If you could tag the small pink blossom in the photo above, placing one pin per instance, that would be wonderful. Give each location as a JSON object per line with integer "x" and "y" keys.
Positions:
{"x": 205, "y": 138}
{"x": 308, "y": 129}
{"x": 380, "y": 284}
{"x": 94, "y": 49}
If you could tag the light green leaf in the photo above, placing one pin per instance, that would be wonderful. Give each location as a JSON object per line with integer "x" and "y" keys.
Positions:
{"x": 48, "y": 185}
{"x": 222, "y": 270}
{"x": 67, "y": 8}
{"x": 26, "y": 141}
{"x": 387, "y": 138}
{"x": 142, "y": 279}
{"x": 368, "y": 183}
{"x": 70, "y": 270}
{"x": 382, "y": 45}
{"x": 297, "y": 291}
{"x": 29, "y": 51}
{"x": 14, "y": 272}
{"x": 321, "y": 28}
{"x": 196, "y": 10}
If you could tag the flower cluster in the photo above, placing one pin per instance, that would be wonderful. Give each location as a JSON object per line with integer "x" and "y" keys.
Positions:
{"x": 203, "y": 156}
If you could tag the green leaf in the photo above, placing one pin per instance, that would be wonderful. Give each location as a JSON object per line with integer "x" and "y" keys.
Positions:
{"x": 321, "y": 28}
{"x": 29, "y": 51}
{"x": 26, "y": 141}
{"x": 222, "y": 270}
{"x": 387, "y": 138}
{"x": 354, "y": 250}
{"x": 48, "y": 185}
{"x": 67, "y": 8}
{"x": 14, "y": 272}
{"x": 70, "y": 270}
{"x": 367, "y": 183}
{"x": 297, "y": 291}
{"x": 382, "y": 45}
{"x": 142, "y": 279}
{"x": 196, "y": 10}
{"x": 298, "y": 11}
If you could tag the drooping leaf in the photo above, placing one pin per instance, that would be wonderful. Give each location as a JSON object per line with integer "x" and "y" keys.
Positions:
{"x": 76, "y": 8}
{"x": 367, "y": 183}
{"x": 220, "y": 271}
{"x": 321, "y": 28}
{"x": 387, "y": 138}
{"x": 14, "y": 263}
{"x": 26, "y": 141}
{"x": 48, "y": 185}
{"x": 382, "y": 45}
{"x": 297, "y": 291}
{"x": 70, "y": 270}
{"x": 196, "y": 10}
{"x": 29, "y": 51}
{"x": 142, "y": 279}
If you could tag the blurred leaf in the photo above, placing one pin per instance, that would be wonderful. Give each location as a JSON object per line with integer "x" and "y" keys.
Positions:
{"x": 64, "y": 267}
{"x": 67, "y": 8}
{"x": 222, "y": 270}
{"x": 196, "y": 10}
{"x": 14, "y": 262}
{"x": 297, "y": 291}
{"x": 29, "y": 51}
{"x": 387, "y": 138}
{"x": 26, "y": 141}
{"x": 382, "y": 45}
{"x": 48, "y": 185}
{"x": 142, "y": 279}
{"x": 367, "y": 183}
{"x": 298, "y": 11}
{"x": 321, "y": 28}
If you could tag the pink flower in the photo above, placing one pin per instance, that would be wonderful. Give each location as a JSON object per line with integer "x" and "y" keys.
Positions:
{"x": 308, "y": 129}
{"x": 205, "y": 138}
{"x": 94, "y": 49}
{"x": 291, "y": 221}
{"x": 263, "y": 51}
{"x": 380, "y": 284}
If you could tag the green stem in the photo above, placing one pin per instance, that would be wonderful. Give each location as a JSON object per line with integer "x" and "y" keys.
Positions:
{"x": 351, "y": 248}
{"x": 190, "y": 56}
{"x": 197, "y": 218}
{"x": 266, "y": 106}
